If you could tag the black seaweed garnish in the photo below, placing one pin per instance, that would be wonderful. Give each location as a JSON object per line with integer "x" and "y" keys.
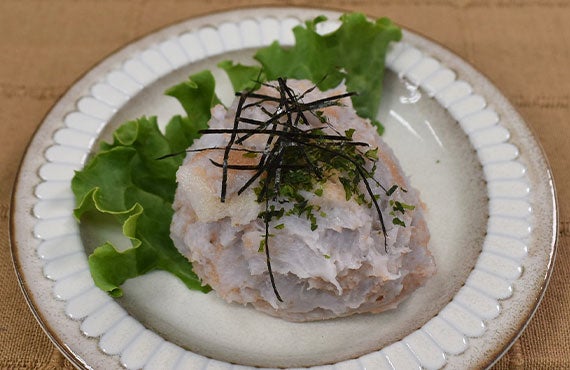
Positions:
{"x": 297, "y": 158}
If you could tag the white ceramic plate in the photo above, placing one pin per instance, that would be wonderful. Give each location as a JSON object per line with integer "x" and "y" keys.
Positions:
{"x": 486, "y": 183}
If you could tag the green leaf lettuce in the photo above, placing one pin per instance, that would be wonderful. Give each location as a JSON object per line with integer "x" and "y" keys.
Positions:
{"x": 126, "y": 181}
{"x": 355, "y": 52}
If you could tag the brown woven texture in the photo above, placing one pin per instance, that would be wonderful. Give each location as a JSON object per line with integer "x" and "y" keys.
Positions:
{"x": 522, "y": 46}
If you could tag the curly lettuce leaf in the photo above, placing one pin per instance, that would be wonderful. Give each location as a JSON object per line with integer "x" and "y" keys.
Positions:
{"x": 243, "y": 77}
{"x": 126, "y": 181}
{"x": 196, "y": 95}
{"x": 355, "y": 53}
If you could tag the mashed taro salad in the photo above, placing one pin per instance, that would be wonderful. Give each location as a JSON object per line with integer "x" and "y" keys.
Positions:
{"x": 288, "y": 200}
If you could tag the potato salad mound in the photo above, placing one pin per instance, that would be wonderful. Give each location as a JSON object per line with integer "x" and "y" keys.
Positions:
{"x": 291, "y": 203}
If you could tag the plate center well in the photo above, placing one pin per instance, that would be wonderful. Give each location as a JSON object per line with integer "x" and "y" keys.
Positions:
{"x": 441, "y": 163}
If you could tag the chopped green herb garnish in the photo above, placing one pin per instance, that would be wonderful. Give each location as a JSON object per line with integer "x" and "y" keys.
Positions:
{"x": 397, "y": 221}
{"x": 400, "y": 206}
{"x": 392, "y": 190}
{"x": 261, "y": 248}
{"x": 372, "y": 154}
{"x": 250, "y": 155}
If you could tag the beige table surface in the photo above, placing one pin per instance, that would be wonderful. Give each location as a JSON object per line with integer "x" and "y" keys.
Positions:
{"x": 522, "y": 46}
